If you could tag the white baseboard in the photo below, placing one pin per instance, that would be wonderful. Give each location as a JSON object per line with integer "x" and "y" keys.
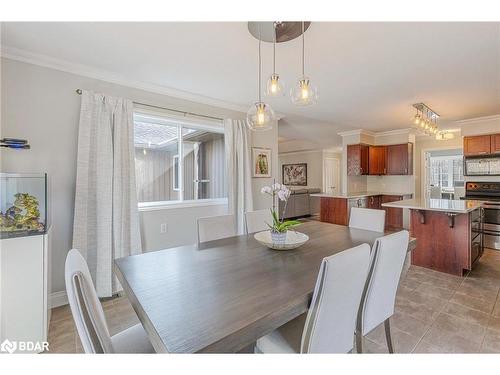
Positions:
{"x": 58, "y": 299}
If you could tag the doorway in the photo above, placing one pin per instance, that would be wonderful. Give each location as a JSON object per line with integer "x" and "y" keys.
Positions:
{"x": 331, "y": 175}
{"x": 443, "y": 177}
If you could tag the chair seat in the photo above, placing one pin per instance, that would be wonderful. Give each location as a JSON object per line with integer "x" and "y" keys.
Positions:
{"x": 132, "y": 340}
{"x": 286, "y": 339}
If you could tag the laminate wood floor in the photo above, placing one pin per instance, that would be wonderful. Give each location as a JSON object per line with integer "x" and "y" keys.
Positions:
{"x": 435, "y": 313}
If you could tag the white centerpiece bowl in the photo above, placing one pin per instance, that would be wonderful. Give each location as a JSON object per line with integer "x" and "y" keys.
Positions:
{"x": 293, "y": 240}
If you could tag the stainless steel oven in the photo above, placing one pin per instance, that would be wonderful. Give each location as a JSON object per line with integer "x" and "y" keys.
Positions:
{"x": 489, "y": 193}
{"x": 491, "y": 225}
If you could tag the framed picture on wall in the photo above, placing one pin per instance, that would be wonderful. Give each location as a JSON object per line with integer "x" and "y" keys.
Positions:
{"x": 295, "y": 174}
{"x": 261, "y": 161}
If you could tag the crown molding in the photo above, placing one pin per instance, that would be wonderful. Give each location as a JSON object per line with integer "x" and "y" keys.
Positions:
{"x": 21, "y": 55}
{"x": 375, "y": 134}
{"x": 356, "y": 132}
{"x": 307, "y": 151}
{"x": 478, "y": 119}
{"x": 394, "y": 132}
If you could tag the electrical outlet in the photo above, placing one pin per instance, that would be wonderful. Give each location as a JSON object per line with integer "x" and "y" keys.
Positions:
{"x": 163, "y": 228}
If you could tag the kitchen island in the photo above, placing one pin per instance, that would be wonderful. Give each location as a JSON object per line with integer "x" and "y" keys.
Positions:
{"x": 448, "y": 233}
{"x": 335, "y": 208}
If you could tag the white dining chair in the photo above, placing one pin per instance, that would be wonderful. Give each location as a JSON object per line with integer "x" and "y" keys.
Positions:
{"x": 379, "y": 294}
{"x": 328, "y": 326}
{"x": 256, "y": 221}
{"x": 367, "y": 219}
{"x": 89, "y": 316}
{"x": 216, "y": 227}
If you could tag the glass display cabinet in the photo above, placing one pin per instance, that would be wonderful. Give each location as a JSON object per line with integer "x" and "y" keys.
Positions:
{"x": 23, "y": 204}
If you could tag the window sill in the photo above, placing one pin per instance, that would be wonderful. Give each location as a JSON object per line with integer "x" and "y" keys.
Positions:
{"x": 170, "y": 205}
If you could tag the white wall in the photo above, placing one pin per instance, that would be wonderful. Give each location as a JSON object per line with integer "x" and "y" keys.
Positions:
{"x": 40, "y": 104}
{"x": 267, "y": 139}
{"x": 314, "y": 160}
{"x": 181, "y": 225}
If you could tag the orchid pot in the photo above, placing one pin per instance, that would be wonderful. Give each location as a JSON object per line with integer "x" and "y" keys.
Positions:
{"x": 278, "y": 238}
{"x": 279, "y": 227}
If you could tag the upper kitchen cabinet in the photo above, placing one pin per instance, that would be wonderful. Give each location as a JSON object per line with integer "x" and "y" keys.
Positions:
{"x": 495, "y": 143}
{"x": 357, "y": 160}
{"x": 377, "y": 160}
{"x": 399, "y": 159}
{"x": 478, "y": 145}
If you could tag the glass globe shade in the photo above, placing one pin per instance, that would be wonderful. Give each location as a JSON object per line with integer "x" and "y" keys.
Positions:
{"x": 416, "y": 120}
{"x": 275, "y": 86}
{"x": 260, "y": 117}
{"x": 304, "y": 93}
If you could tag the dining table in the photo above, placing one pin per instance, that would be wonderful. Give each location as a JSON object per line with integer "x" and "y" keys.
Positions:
{"x": 223, "y": 295}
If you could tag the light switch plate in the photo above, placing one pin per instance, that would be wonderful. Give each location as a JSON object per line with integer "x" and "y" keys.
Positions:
{"x": 163, "y": 228}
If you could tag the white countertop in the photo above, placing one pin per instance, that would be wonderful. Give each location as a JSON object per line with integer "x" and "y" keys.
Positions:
{"x": 359, "y": 194}
{"x": 443, "y": 205}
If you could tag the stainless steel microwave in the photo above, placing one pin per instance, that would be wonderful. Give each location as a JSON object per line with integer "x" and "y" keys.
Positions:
{"x": 482, "y": 166}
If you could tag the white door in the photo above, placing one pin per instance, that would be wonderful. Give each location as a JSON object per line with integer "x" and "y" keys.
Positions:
{"x": 427, "y": 175}
{"x": 331, "y": 168}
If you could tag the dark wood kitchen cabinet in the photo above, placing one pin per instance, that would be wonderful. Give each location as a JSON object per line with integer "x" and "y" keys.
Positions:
{"x": 377, "y": 160}
{"x": 375, "y": 201}
{"x": 399, "y": 159}
{"x": 334, "y": 210}
{"x": 357, "y": 160}
{"x": 393, "y": 216}
{"x": 495, "y": 144}
{"x": 477, "y": 145}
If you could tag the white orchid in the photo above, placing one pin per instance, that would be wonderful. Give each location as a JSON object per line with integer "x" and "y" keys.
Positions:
{"x": 282, "y": 193}
{"x": 266, "y": 190}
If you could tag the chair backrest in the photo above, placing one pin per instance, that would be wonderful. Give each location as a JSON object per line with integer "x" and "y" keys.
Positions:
{"x": 85, "y": 306}
{"x": 435, "y": 192}
{"x": 256, "y": 221}
{"x": 331, "y": 320}
{"x": 216, "y": 227}
{"x": 379, "y": 295}
{"x": 368, "y": 219}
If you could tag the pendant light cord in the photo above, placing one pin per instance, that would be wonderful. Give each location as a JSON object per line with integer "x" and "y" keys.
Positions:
{"x": 274, "y": 49}
{"x": 303, "y": 51}
{"x": 260, "y": 65}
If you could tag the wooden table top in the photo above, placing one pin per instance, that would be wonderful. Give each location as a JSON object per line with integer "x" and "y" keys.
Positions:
{"x": 225, "y": 294}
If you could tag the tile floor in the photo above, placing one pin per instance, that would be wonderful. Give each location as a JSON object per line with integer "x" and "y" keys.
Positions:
{"x": 435, "y": 313}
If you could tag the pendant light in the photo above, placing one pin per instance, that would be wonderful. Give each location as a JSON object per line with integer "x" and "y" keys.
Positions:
{"x": 275, "y": 86}
{"x": 303, "y": 93}
{"x": 260, "y": 116}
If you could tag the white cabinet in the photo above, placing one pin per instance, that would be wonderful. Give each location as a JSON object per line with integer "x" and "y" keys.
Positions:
{"x": 24, "y": 282}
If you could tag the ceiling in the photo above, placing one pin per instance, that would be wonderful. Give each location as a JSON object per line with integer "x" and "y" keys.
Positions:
{"x": 368, "y": 74}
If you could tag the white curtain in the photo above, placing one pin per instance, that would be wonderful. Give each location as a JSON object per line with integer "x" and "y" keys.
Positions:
{"x": 238, "y": 166}
{"x": 106, "y": 222}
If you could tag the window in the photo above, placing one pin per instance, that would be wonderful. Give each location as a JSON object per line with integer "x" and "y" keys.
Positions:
{"x": 175, "y": 179}
{"x": 446, "y": 171}
{"x": 163, "y": 175}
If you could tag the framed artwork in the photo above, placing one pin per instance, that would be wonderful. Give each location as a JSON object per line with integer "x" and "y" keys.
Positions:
{"x": 261, "y": 161}
{"x": 295, "y": 174}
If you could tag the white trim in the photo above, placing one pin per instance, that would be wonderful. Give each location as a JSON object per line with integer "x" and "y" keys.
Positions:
{"x": 376, "y": 134}
{"x": 394, "y": 132}
{"x": 18, "y": 54}
{"x": 58, "y": 299}
{"x": 356, "y": 132}
{"x": 299, "y": 152}
{"x": 170, "y": 205}
{"x": 423, "y": 174}
{"x": 478, "y": 119}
